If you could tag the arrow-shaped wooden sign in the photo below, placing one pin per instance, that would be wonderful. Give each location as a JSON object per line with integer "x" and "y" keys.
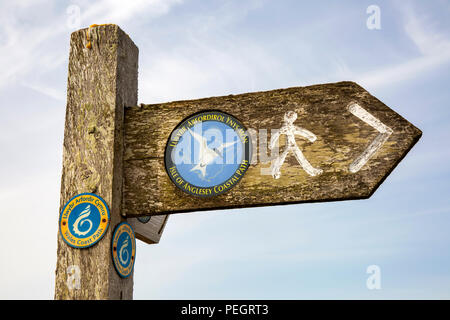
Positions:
{"x": 318, "y": 143}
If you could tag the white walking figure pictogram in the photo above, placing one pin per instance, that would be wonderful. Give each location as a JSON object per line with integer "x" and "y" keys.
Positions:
{"x": 290, "y": 130}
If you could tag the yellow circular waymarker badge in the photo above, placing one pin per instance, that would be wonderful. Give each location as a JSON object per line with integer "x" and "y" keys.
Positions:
{"x": 123, "y": 249}
{"x": 84, "y": 220}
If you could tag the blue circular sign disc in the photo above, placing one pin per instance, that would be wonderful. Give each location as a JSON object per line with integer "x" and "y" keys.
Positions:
{"x": 84, "y": 220}
{"x": 123, "y": 249}
{"x": 208, "y": 153}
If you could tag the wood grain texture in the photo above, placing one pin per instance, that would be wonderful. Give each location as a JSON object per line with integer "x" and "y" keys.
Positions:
{"x": 321, "y": 109}
{"x": 101, "y": 81}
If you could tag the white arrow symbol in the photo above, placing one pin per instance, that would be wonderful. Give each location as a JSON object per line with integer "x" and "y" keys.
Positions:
{"x": 376, "y": 144}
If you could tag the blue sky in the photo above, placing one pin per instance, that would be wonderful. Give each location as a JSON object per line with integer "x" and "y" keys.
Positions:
{"x": 192, "y": 49}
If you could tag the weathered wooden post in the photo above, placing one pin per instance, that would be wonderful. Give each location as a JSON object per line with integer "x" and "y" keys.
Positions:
{"x": 102, "y": 80}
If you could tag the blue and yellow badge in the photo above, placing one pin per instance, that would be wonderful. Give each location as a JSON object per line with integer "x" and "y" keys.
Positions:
{"x": 123, "y": 249}
{"x": 208, "y": 153}
{"x": 84, "y": 220}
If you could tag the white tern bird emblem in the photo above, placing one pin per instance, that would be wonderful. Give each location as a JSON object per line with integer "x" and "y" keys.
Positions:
{"x": 206, "y": 154}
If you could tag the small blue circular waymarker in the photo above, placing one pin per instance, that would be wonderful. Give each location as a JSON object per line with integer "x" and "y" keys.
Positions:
{"x": 84, "y": 220}
{"x": 123, "y": 249}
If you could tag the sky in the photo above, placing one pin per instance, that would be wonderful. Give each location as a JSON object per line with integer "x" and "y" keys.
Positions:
{"x": 193, "y": 49}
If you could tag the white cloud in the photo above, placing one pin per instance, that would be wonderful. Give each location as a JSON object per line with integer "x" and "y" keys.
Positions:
{"x": 433, "y": 51}
{"x": 35, "y": 46}
{"x": 46, "y": 90}
{"x": 117, "y": 11}
{"x": 209, "y": 59}
{"x": 423, "y": 32}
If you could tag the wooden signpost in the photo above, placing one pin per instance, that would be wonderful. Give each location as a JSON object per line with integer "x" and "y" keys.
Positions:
{"x": 319, "y": 143}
